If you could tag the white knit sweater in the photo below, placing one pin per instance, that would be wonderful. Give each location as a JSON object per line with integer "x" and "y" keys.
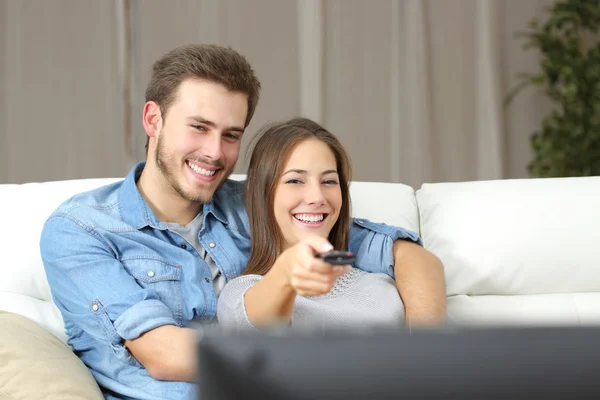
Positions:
{"x": 358, "y": 299}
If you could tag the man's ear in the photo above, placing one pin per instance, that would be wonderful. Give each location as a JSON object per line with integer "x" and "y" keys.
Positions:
{"x": 152, "y": 119}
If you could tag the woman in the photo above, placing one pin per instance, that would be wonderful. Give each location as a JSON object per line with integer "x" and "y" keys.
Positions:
{"x": 298, "y": 204}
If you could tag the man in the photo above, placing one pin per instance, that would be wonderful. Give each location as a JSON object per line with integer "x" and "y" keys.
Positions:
{"x": 131, "y": 264}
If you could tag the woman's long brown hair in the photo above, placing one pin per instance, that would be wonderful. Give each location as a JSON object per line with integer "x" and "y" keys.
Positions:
{"x": 273, "y": 145}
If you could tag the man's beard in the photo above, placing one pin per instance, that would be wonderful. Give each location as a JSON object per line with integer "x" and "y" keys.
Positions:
{"x": 167, "y": 166}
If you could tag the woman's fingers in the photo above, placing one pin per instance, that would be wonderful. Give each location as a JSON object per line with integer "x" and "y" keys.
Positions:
{"x": 310, "y": 275}
{"x": 304, "y": 281}
{"x": 326, "y": 275}
{"x": 317, "y": 244}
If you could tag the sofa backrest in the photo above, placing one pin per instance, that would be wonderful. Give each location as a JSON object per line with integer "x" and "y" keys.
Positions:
{"x": 514, "y": 251}
{"x": 517, "y": 251}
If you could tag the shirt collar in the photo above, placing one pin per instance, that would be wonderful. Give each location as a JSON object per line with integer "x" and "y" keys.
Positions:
{"x": 135, "y": 210}
{"x": 209, "y": 208}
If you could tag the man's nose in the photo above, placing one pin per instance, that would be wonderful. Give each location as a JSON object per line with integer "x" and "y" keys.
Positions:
{"x": 211, "y": 145}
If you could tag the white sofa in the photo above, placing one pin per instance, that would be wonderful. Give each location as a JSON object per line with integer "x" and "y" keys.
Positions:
{"x": 514, "y": 251}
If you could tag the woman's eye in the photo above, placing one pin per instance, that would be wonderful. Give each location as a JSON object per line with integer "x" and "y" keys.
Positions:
{"x": 293, "y": 181}
{"x": 331, "y": 182}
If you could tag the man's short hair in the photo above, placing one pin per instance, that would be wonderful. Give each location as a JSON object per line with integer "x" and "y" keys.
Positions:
{"x": 208, "y": 62}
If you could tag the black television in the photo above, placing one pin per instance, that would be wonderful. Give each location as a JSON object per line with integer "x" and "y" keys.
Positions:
{"x": 476, "y": 363}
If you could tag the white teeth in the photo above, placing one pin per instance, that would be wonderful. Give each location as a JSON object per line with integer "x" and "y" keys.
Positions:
{"x": 201, "y": 171}
{"x": 309, "y": 217}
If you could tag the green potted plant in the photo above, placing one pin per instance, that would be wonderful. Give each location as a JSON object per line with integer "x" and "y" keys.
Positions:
{"x": 568, "y": 142}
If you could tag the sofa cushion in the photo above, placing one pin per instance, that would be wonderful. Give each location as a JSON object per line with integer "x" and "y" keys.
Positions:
{"x": 36, "y": 365}
{"x": 556, "y": 309}
{"x": 390, "y": 203}
{"x": 23, "y": 287}
{"x": 43, "y": 312}
{"x": 516, "y": 238}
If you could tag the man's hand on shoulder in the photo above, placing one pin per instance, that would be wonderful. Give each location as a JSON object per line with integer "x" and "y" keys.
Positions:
{"x": 421, "y": 284}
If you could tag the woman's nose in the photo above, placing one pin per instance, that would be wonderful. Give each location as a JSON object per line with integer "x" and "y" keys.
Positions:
{"x": 314, "y": 195}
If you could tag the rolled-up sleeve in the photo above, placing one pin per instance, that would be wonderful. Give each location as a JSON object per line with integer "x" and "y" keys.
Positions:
{"x": 91, "y": 287}
{"x": 373, "y": 244}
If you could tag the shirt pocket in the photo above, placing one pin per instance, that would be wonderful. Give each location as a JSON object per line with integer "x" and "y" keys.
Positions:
{"x": 161, "y": 277}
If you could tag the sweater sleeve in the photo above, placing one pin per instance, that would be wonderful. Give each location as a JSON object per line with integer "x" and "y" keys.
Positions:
{"x": 231, "y": 309}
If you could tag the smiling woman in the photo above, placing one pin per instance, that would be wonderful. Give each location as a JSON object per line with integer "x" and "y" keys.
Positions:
{"x": 308, "y": 196}
{"x": 305, "y": 172}
{"x": 298, "y": 203}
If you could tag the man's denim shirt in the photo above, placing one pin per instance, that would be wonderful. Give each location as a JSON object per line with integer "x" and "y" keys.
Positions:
{"x": 115, "y": 272}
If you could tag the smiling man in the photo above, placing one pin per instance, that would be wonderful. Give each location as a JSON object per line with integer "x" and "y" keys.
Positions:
{"x": 132, "y": 264}
{"x": 194, "y": 150}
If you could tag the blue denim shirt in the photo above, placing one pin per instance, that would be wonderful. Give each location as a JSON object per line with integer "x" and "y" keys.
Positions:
{"x": 115, "y": 272}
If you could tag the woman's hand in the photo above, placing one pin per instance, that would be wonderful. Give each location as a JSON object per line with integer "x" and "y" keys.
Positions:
{"x": 297, "y": 271}
{"x": 307, "y": 274}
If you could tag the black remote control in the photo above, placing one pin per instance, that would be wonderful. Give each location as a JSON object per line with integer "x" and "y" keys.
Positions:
{"x": 338, "y": 257}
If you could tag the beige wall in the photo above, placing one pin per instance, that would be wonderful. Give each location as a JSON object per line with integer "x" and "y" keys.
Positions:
{"x": 3, "y": 124}
{"x": 411, "y": 87}
{"x": 247, "y": 26}
{"x": 526, "y": 112}
{"x": 63, "y": 113}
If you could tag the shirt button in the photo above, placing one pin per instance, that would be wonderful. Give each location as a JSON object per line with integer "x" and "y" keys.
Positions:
{"x": 212, "y": 244}
{"x": 95, "y": 307}
{"x": 361, "y": 222}
{"x": 150, "y": 274}
{"x": 207, "y": 280}
{"x": 184, "y": 246}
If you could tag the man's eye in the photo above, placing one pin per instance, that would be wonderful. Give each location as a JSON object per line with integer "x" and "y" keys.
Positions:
{"x": 198, "y": 127}
{"x": 231, "y": 136}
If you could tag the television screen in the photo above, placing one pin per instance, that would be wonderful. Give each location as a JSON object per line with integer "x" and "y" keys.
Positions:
{"x": 511, "y": 363}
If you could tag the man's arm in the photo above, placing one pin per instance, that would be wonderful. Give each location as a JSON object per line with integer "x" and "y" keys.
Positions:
{"x": 168, "y": 352}
{"x": 420, "y": 281}
{"x": 94, "y": 291}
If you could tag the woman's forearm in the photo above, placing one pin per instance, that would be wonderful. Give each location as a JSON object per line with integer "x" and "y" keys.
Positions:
{"x": 271, "y": 300}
